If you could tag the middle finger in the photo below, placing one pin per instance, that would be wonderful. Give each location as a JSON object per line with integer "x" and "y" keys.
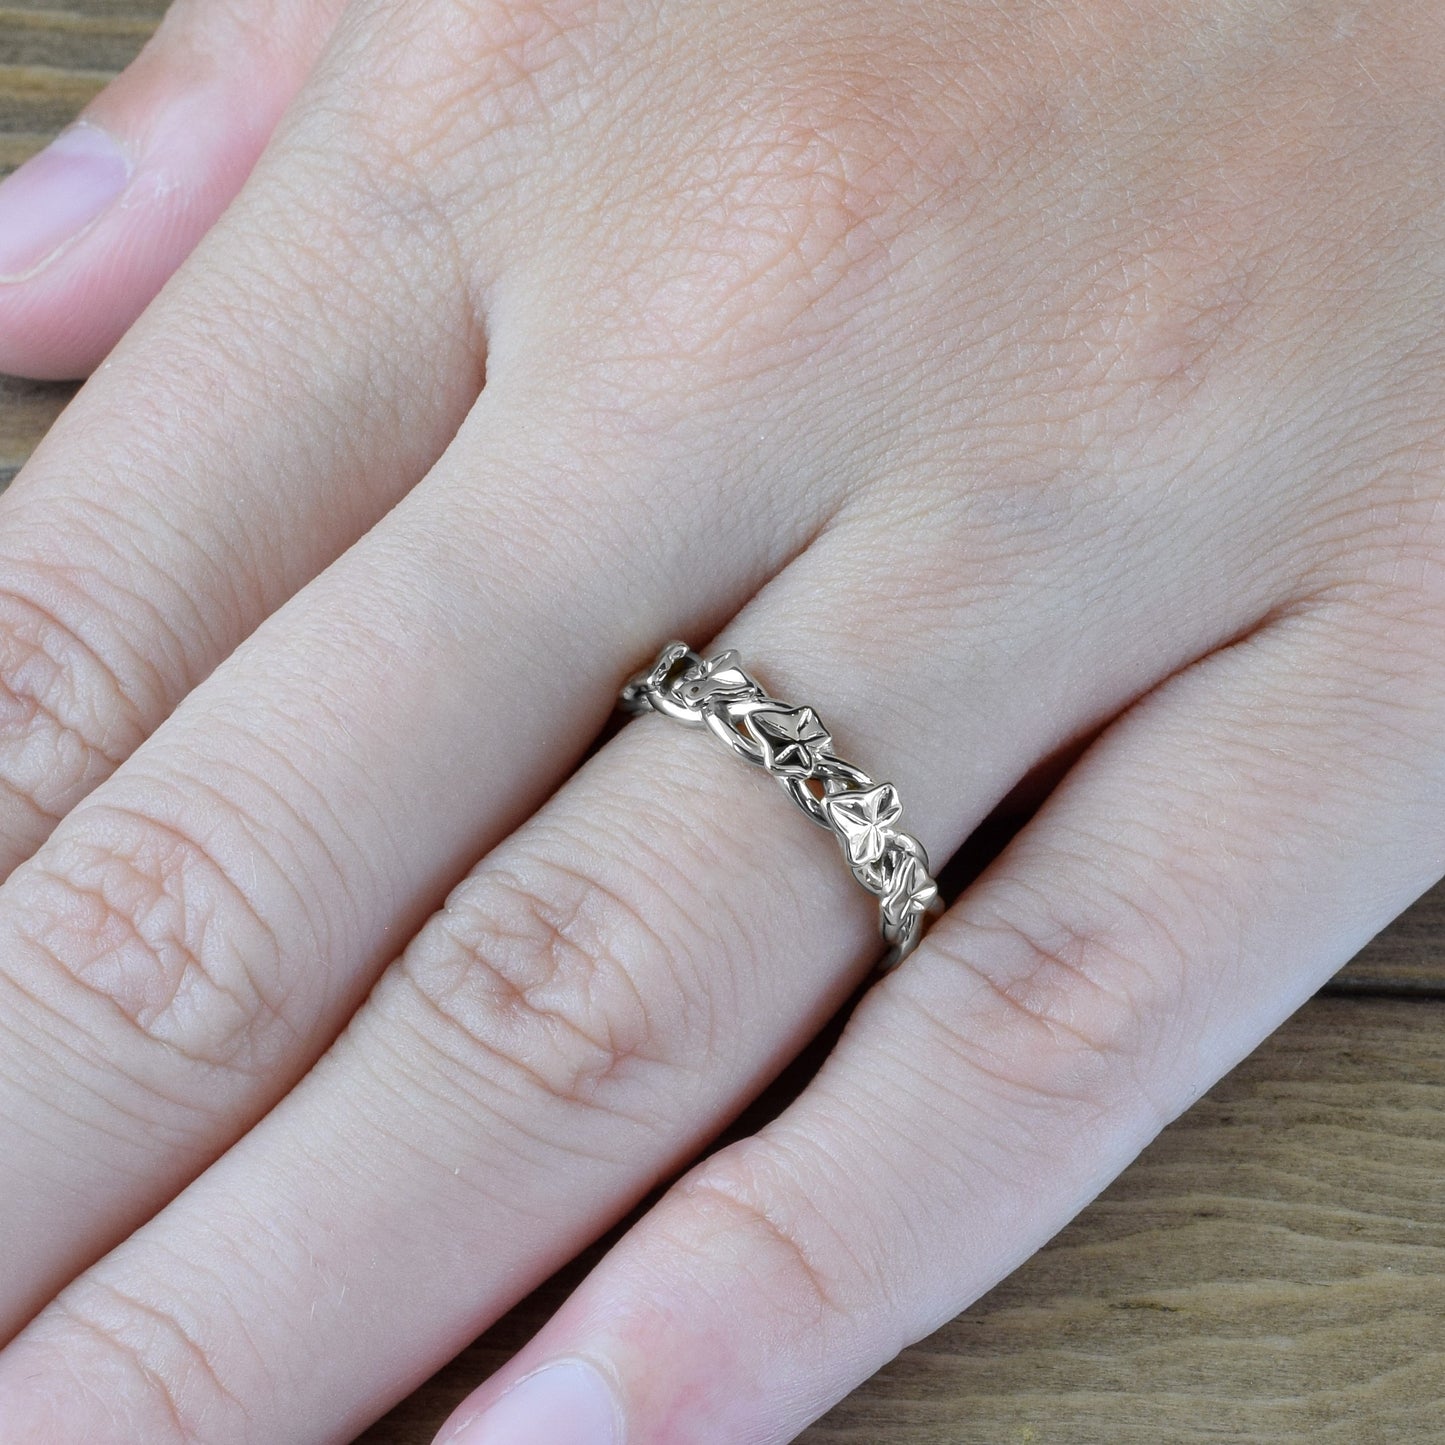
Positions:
{"x": 197, "y": 930}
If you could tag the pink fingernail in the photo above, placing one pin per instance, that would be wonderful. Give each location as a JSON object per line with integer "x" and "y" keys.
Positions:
{"x": 55, "y": 195}
{"x": 567, "y": 1403}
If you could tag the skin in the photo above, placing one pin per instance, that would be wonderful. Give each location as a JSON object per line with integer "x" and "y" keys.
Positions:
{"x": 997, "y": 378}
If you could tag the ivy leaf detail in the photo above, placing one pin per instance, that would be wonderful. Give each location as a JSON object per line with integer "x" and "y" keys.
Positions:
{"x": 863, "y": 820}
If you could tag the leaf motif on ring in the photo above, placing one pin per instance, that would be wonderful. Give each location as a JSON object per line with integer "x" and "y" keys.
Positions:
{"x": 720, "y": 676}
{"x": 863, "y": 819}
{"x": 791, "y": 739}
{"x": 911, "y": 889}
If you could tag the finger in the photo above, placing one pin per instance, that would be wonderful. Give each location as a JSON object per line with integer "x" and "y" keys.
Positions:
{"x": 1200, "y": 872}
{"x": 280, "y": 397}
{"x": 196, "y": 932}
{"x": 92, "y": 225}
{"x": 610, "y": 985}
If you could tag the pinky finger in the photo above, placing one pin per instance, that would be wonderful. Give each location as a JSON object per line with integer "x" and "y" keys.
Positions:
{"x": 1222, "y": 849}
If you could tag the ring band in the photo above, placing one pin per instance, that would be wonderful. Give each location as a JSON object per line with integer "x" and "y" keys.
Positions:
{"x": 792, "y": 744}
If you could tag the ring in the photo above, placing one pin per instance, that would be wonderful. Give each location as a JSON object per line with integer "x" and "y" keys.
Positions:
{"x": 793, "y": 745}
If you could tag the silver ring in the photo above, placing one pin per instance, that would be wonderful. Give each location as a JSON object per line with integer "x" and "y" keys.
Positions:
{"x": 792, "y": 745}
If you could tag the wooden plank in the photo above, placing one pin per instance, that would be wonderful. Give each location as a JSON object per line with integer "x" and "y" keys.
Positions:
{"x": 27, "y": 409}
{"x": 1271, "y": 1270}
{"x": 70, "y": 39}
{"x": 148, "y": 11}
{"x": 34, "y": 99}
{"x": 1407, "y": 958}
{"x": 54, "y": 58}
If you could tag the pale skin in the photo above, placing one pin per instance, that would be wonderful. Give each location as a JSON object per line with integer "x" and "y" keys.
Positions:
{"x": 996, "y": 377}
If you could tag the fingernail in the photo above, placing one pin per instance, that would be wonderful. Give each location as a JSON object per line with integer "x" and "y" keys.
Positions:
{"x": 567, "y": 1403}
{"x": 55, "y": 195}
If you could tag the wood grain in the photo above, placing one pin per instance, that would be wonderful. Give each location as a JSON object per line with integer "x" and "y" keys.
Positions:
{"x": 54, "y": 59}
{"x": 1407, "y": 958}
{"x": 27, "y": 409}
{"x": 1271, "y": 1270}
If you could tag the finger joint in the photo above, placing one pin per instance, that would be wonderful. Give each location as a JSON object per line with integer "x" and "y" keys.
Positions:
{"x": 67, "y": 717}
{"x": 1048, "y": 995}
{"x": 551, "y": 977}
{"x": 152, "y": 1366}
{"x": 146, "y": 916}
{"x": 742, "y": 1209}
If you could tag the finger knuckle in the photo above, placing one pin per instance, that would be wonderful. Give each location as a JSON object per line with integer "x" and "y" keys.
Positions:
{"x": 146, "y": 917}
{"x": 783, "y": 216}
{"x": 1048, "y": 992}
{"x": 744, "y": 1213}
{"x": 211, "y": 33}
{"x": 157, "y": 1371}
{"x": 442, "y": 107}
{"x": 491, "y": 52}
{"x": 550, "y": 976}
{"x": 67, "y": 716}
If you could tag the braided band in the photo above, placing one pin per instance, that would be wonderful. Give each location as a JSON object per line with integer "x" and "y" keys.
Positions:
{"x": 793, "y": 745}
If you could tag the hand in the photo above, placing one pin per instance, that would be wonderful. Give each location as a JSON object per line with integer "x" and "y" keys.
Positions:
{"x": 996, "y": 379}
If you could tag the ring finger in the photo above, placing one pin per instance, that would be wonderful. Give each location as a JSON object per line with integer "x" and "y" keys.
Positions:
{"x": 606, "y": 989}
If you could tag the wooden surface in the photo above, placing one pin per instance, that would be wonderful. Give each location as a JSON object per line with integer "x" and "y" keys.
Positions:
{"x": 1271, "y": 1270}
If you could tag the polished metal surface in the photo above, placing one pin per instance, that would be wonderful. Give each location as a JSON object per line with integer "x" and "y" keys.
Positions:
{"x": 794, "y": 746}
